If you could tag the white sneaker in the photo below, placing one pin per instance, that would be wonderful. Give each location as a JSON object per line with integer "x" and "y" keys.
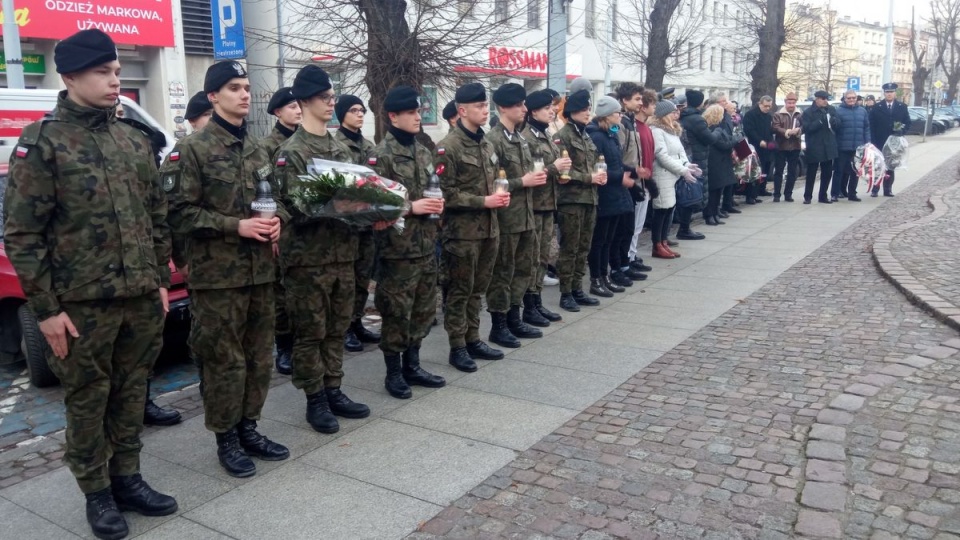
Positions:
{"x": 550, "y": 281}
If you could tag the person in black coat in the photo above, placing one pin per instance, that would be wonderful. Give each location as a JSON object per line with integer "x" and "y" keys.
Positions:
{"x": 758, "y": 128}
{"x": 697, "y": 140}
{"x": 884, "y": 117}
{"x": 720, "y": 160}
{"x": 820, "y": 125}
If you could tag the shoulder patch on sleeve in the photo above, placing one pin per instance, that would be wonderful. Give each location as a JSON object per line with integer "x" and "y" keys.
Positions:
{"x": 441, "y": 151}
{"x": 372, "y": 160}
{"x": 282, "y": 160}
{"x": 557, "y": 141}
{"x": 171, "y": 181}
{"x": 22, "y": 151}
{"x": 175, "y": 155}
{"x": 439, "y": 169}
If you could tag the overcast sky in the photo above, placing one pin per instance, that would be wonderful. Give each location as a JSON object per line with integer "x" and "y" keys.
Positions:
{"x": 876, "y": 10}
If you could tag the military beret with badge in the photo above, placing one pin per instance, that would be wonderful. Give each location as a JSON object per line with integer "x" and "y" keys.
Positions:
{"x": 400, "y": 99}
{"x": 281, "y": 98}
{"x": 221, "y": 73}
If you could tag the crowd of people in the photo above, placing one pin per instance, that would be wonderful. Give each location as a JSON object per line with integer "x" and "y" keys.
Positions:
{"x": 90, "y": 224}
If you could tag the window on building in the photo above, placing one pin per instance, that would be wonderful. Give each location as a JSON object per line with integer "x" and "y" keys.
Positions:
{"x": 723, "y": 59}
{"x": 716, "y": 12}
{"x": 589, "y": 19}
{"x": 501, "y": 10}
{"x": 703, "y": 10}
{"x": 713, "y": 52}
{"x": 533, "y": 13}
{"x": 197, "y": 27}
{"x": 703, "y": 55}
{"x": 725, "y": 20}
{"x": 689, "y": 55}
{"x": 465, "y": 7}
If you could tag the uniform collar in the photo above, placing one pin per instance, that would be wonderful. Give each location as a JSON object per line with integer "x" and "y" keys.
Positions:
{"x": 239, "y": 132}
{"x": 88, "y": 117}
{"x": 475, "y": 137}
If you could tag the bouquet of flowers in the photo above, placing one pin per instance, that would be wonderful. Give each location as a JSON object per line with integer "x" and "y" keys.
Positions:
{"x": 895, "y": 152}
{"x": 748, "y": 169}
{"x": 870, "y": 165}
{"x": 351, "y": 193}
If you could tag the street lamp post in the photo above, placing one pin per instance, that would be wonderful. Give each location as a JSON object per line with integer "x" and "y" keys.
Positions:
{"x": 888, "y": 55}
{"x": 11, "y": 46}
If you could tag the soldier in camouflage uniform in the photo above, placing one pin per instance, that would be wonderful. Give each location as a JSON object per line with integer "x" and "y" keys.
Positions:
{"x": 86, "y": 233}
{"x": 576, "y": 202}
{"x": 540, "y": 113}
{"x": 318, "y": 259}
{"x": 406, "y": 261}
{"x": 199, "y": 111}
{"x": 210, "y": 180}
{"x": 514, "y": 270}
{"x": 467, "y": 166}
{"x": 350, "y": 111}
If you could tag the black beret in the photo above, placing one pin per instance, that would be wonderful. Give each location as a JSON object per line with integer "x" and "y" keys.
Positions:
{"x": 281, "y": 98}
{"x": 553, "y": 93}
{"x": 401, "y": 98}
{"x": 197, "y": 105}
{"x": 576, "y": 102}
{"x": 822, "y": 94}
{"x": 450, "y": 110}
{"x": 509, "y": 95}
{"x": 310, "y": 81}
{"x": 470, "y": 93}
{"x": 85, "y": 49}
{"x": 343, "y": 105}
{"x": 221, "y": 73}
{"x": 694, "y": 98}
{"x": 538, "y": 100}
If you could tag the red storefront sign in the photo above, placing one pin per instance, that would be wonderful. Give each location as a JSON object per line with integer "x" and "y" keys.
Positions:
{"x": 520, "y": 63}
{"x": 13, "y": 122}
{"x": 133, "y": 22}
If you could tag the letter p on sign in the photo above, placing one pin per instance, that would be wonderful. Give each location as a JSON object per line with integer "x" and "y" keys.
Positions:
{"x": 228, "y": 16}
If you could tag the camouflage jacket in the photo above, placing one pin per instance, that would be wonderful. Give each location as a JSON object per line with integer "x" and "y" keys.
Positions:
{"x": 272, "y": 142}
{"x": 85, "y": 214}
{"x": 546, "y": 148}
{"x": 412, "y": 166}
{"x": 210, "y": 179}
{"x": 515, "y": 157}
{"x": 312, "y": 243}
{"x": 583, "y": 153}
{"x": 359, "y": 150}
{"x": 467, "y": 170}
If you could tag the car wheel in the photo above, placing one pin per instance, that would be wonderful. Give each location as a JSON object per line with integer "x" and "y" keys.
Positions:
{"x": 36, "y": 350}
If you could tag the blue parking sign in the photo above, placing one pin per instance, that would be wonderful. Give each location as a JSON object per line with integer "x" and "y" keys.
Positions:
{"x": 853, "y": 83}
{"x": 228, "y": 39}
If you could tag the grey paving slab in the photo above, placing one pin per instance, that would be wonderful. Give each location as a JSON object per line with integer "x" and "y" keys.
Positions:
{"x": 23, "y": 524}
{"x": 762, "y": 261}
{"x": 734, "y": 289}
{"x": 304, "y": 502}
{"x": 599, "y": 331}
{"x": 549, "y": 385}
{"x": 56, "y": 497}
{"x": 183, "y": 529}
{"x": 491, "y": 418}
{"x": 712, "y": 270}
{"x": 288, "y": 405}
{"x": 620, "y": 361}
{"x": 415, "y": 461}
{"x": 367, "y": 372}
{"x": 658, "y": 315}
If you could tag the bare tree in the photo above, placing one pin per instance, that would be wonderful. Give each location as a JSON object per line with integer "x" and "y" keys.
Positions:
{"x": 918, "y": 54}
{"x": 945, "y": 21}
{"x": 829, "y": 38}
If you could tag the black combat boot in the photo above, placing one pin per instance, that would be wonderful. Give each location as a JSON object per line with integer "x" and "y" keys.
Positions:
{"x": 568, "y": 303}
{"x": 341, "y": 405}
{"x": 363, "y": 334}
{"x": 154, "y": 415}
{"x": 232, "y": 457}
{"x": 613, "y": 287}
{"x": 478, "y": 350}
{"x": 460, "y": 359}
{"x": 104, "y": 517}
{"x": 583, "y": 299}
{"x": 599, "y": 288}
{"x": 500, "y": 334}
{"x": 531, "y": 315}
{"x": 318, "y": 413}
{"x": 351, "y": 343}
{"x": 544, "y": 312}
{"x": 132, "y": 494}
{"x": 394, "y": 383}
{"x": 620, "y": 278}
{"x": 416, "y": 375}
{"x": 258, "y": 446}
{"x": 518, "y": 327}
{"x": 284, "y": 358}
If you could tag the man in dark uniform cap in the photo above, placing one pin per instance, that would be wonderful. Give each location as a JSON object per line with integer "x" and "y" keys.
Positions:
{"x": 199, "y": 111}
{"x": 888, "y": 117}
{"x": 85, "y": 229}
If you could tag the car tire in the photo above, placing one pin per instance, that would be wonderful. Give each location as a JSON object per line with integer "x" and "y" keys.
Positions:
{"x": 36, "y": 350}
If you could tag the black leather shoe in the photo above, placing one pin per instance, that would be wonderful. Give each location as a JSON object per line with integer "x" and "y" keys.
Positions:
{"x": 732, "y": 210}
{"x": 788, "y": 198}
{"x": 672, "y": 243}
{"x": 611, "y": 286}
{"x": 415, "y": 375}
{"x": 568, "y": 303}
{"x": 319, "y": 415}
{"x": 232, "y": 457}
{"x": 258, "y": 446}
{"x": 531, "y": 315}
{"x": 363, "y": 334}
{"x": 394, "y": 382}
{"x": 341, "y": 405}
{"x": 284, "y": 360}
{"x": 519, "y": 328}
{"x": 132, "y": 494}
{"x": 460, "y": 359}
{"x": 806, "y": 201}
{"x": 873, "y": 193}
{"x": 599, "y": 288}
{"x": 500, "y": 334}
{"x": 583, "y": 299}
{"x": 640, "y": 267}
{"x": 688, "y": 234}
{"x": 888, "y": 194}
{"x": 104, "y": 517}
{"x": 478, "y": 350}
{"x": 154, "y": 415}
{"x": 854, "y": 199}
{"x": 751, "y": 201}
{"x": 351, "y": 343}
{"x": 824, "y": 201}
{"x": 634, "y": 274}
{"x": 712, "y": 220}
{"x": 722, "y": 213}
{"x": 776, "y": 198}
{"x": 544, "y": 312}
{"x": 620, "y": 278}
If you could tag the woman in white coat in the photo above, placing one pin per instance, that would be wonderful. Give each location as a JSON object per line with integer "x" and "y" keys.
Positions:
{"x": 670, "y": 164}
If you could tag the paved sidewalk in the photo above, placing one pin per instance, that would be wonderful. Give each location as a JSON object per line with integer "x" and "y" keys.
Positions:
{"x": 607, "y": 457}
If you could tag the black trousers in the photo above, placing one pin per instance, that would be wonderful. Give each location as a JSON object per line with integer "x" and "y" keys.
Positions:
{"x": 713, "y": 202}
{"x": 661, "y": 224}
{"x": 728, "y": 196}
{"x": 599, "y": 255}
{"x": 887, "y": 183}
{"x": 620, "y": 250}
{"x": 844, "y": 177}
{"x": 684, "y": 216}
{"x": 789, "y": 159}
{"x": 826, "y": 172}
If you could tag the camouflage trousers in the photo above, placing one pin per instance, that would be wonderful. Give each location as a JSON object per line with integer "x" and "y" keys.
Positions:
{"x": 282, "y": 326}
{"x": 363, "y": 271}
{"x": 545, "y": 230}
{"x": 469, "y": 265}
{"x": 407, "y": 301}
{"x": 104, "y": 379}
{"x": 232, "y": 338}
{"x": 320, "y": 300}
{"x": 513, "y": 271}
{"x": 576, "y": 232}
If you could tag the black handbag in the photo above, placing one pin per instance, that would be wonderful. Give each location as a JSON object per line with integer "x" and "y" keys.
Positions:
{"x": 689, "y": 193}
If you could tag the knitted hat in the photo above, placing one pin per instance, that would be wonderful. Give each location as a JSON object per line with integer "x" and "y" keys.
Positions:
{"x": 606, "y": 106}
{"x": 664, "y": 108}
{"x": 83, "y": 50}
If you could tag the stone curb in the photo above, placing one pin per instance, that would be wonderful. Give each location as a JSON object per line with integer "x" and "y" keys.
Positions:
{"x": 900, "y": 277}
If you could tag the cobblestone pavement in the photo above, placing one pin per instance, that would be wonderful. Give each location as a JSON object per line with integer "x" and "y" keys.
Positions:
{"x": 821, "y": 406}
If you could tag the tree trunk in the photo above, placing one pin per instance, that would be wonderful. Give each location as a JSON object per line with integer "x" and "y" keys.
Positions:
{"x": 772, "y": 37}
{"x": 919, "y": 85}
{"x": 658, "y": 46}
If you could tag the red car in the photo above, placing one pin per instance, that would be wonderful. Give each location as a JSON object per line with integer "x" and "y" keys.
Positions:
{"x": 20, "y": 337}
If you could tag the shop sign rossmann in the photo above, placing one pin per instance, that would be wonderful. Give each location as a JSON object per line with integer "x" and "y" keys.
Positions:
{"x": 133, "y": 22}
{"x": 520, "y": 63}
